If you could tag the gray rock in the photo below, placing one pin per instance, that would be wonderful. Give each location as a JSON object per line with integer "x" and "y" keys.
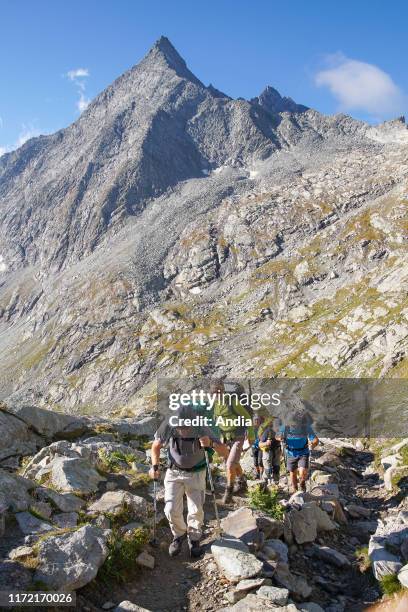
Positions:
{"x": 296, "y": 585}
{"x": 113, "y": 502}
{"x": 253, "y": 603}
{"x": 304, "y": 524}
{"x": 383, "y": 562}
{"x": 234, "y": 561}
{"x": 357, "y": 511}
{"x": 331, "y": 556}
{"x": 241, "y": 524}
{"x": 14, "y": 576}
{"x": 41, "y": 508}
{"x": 16, "y": 437}
{"x": 101, "y": 521}
{"x": 276, "y": 549}
{"x": 65, "y": 520}
{"x": 66, "y": 502}
{"x": 145, "y": 560}
{"x": 274, "y": 594}
{"x": 73, "y": 475}
{"x": 47, "y": 423}
{"x": 30, "y": 524}
{"x": 14, "y": 490}
{"x": 71, "y": 560}
{"x": 250, "y": 584}
{"x": 403, "y": 576}
{"x": 128, "y": 606}
{"x": 20, "y": 552}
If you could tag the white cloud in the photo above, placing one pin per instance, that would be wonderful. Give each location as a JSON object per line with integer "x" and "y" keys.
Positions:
{"x": 78, "y": 76}
{"x": 3, "y": 150}
{"x": 83, "y": 102}
{"x": 359, "y": 85}
{"x": 77, "y": 73}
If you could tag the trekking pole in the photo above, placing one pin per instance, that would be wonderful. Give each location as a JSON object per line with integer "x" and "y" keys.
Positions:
{"x": 210, "y": 478}
{"x": 153, "y": 541}
{"x": 285, "y": 462}
{"x": 309, "y": 476}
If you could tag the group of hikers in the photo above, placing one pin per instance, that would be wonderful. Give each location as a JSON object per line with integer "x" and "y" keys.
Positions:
{"x": 188, "y": 450}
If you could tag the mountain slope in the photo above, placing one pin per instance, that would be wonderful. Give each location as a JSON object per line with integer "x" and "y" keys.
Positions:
{"x": 172, "y": 230}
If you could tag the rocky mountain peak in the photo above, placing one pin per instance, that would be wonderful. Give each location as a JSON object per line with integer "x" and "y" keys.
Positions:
{"x": 271, "y": 101}
{"x": 163, "y": 52}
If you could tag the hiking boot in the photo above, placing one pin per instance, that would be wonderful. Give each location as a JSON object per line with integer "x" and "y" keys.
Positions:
{"x": 240, "y": 485}
{"x": 194, "y": 547}
{"x": 276, "y": 480}
{"x": 176, "y": 546}
{"x": 302, "y": 486}
{"x": 227, "y": 497}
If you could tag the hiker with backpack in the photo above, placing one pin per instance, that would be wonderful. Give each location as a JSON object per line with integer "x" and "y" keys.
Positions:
{"x": 229, "y": 408}
{"x": 271, "y": 451}
{"x": 298, "y": 439}
{"x": 185, "y": 475}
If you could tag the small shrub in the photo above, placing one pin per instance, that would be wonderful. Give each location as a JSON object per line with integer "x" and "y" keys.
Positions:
{"x": 113, "y": 462}
{"x": 390, "y": 584}
{"x": 267, "y": 501}
{"x": 123, "y": 550}
{"x": 364, "y": 561}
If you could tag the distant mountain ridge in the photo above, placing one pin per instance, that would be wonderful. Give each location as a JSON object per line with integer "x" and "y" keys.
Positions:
{"x": 162, "y": 233}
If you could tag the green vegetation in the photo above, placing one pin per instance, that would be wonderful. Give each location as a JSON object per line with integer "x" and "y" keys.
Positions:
{"x": 113, "y": 461}
{"x": 364, "y": 561}
{"x": 123, "y": 550}
{"x": 121, "y": 518}
{"x": 267, "y": 501}
{"x": 390, "y": 584}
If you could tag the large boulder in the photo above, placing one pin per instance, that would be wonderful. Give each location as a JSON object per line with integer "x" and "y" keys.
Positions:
{"x": 75, "y": 475}
{"x": 48, "y": 423}
{"x": 71, "y": 560}
{"x": 114, "y": 502}
{"x": 14, "y": 491}
{"x": 241, "y": 524}
{"x": 16, "y": 438}
{"x": 234, "y": 560}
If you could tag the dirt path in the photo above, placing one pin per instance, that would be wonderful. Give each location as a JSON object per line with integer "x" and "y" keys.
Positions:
{"x": 184, "y": 584}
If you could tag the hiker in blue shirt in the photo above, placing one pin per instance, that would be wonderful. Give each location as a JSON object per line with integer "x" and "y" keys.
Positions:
{"x": 298, "y": 438}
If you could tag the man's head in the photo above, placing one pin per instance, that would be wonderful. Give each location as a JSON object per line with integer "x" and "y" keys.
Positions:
{"x": 257, "y": 420}
{"x": 217, "y": 386}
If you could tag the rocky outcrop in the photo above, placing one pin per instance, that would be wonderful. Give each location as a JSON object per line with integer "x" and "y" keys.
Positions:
{"x": 71, "y": 560}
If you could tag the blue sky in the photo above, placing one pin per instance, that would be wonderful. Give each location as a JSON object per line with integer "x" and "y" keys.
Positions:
{"x": 333, "y": 56}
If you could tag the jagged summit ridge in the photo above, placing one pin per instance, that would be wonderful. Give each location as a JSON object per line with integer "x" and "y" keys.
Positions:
{"x": 271, "y": 100}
